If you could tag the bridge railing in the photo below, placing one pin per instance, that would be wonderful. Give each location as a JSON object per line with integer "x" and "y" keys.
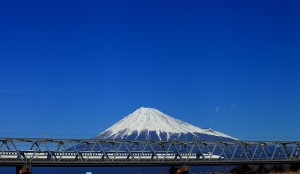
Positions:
{"x": 92, "y": 150}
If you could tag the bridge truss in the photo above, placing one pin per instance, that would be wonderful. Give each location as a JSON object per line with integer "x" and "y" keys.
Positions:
{"x": 92, "y": 152}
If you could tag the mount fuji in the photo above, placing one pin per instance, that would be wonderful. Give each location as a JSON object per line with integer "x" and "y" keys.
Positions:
{"x": 151, "y": 124}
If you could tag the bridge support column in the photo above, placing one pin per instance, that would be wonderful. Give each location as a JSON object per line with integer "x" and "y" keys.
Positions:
{"x": 181, "y": 170}
{"x": 23, "y": 170}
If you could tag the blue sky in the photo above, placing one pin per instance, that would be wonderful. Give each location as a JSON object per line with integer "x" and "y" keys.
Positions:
{"x": 74, "y": 68}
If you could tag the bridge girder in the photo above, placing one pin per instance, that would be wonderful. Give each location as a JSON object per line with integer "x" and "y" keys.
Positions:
{"x": 92, "y": 152}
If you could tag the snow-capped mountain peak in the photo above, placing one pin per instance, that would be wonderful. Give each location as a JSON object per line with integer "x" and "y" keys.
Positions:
{"x": 146, "y": 122}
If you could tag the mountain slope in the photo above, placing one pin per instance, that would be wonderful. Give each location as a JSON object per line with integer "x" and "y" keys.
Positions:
{"x": 150, "y": 123}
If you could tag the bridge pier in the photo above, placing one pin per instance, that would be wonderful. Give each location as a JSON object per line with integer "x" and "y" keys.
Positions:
{"x": 23, "y": 170}
{"x": 181, "y": 170}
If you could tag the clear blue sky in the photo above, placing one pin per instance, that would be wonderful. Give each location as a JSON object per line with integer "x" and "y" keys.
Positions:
{"x": 73, "y": 68}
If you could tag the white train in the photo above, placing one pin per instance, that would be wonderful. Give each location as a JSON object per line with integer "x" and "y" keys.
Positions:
{"x": 112, "y": 155}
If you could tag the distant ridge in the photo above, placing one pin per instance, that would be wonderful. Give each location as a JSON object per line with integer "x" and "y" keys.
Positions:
{"x": 152, "y": 124}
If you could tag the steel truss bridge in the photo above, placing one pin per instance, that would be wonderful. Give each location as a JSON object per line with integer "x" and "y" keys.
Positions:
{"x": 92, "y": 152}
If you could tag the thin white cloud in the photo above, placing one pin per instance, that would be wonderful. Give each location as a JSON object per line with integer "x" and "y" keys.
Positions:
{"x": 223, "y": 109}
{"x": 217, "y": 109}
{"x": 232, "y": 106}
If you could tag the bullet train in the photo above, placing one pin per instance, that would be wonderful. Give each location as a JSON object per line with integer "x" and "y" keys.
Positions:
{"x": 112, "y": 155}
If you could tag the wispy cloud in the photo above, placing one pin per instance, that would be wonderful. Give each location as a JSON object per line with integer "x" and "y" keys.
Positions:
{"x": 224, "y": 109}
{"x": 232, "y": 106}
{"x": 217, "y": 109}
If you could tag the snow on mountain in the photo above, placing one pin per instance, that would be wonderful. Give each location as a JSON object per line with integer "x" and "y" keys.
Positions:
{"x": 150, "y": 123}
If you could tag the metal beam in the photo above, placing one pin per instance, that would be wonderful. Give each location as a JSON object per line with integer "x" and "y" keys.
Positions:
{"x": 93, "y": 152}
